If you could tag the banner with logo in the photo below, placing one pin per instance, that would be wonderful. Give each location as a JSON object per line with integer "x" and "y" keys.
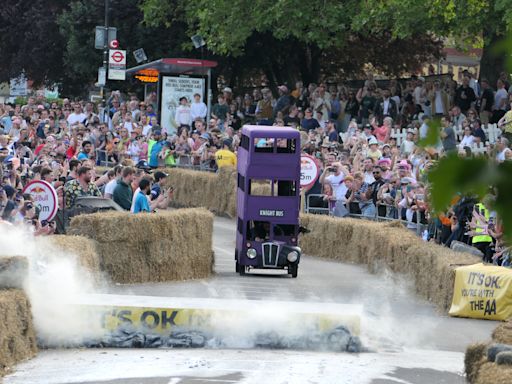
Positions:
{"x": 45, "y": 198}
{"x": 482, "y": 292}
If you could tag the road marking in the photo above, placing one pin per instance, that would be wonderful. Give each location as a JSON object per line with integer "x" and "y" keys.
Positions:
{"x": 176, "y": 380}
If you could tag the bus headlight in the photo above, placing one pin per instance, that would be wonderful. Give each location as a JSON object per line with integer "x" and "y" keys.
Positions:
{"x": 293, "y": 256}
{"x": 251, "y": 253}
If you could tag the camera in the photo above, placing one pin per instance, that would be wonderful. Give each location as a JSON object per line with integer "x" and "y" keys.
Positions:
{"x": 332, "y": 169}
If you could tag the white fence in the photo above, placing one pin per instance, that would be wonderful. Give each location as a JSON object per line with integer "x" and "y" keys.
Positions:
{"x": 492, "y": 133}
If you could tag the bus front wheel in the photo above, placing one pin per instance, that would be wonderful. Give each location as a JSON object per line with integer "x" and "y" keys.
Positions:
{"x": 293, "y": 270}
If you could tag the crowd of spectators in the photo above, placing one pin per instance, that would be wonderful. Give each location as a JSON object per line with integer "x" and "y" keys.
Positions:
{"x": 365, "y": 170}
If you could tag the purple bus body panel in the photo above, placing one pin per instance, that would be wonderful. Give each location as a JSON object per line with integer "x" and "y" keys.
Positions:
{"x": 275, "y": 166}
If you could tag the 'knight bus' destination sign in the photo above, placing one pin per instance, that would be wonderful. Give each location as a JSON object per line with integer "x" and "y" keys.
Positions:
{"x": 271, "y": 213}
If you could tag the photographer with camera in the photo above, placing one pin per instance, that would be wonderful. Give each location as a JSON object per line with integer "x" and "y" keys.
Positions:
{"x": 334, "y": 174}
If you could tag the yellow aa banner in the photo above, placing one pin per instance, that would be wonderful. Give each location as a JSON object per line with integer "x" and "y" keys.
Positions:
{"x": 482, "y": 292}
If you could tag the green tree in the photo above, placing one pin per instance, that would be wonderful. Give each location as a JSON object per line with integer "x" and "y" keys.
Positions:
{"x": 288, "y": 40}
{"x": 30, "y": 41}
{"x": 77, "y": 23}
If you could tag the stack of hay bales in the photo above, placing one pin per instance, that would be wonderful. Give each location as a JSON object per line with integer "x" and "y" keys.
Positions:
{"x": 13, "y": 271}
{"x": 17, "y": 336}
{"x": 70, "y": 246}
{"x": 483, "y": 362}
{"x": 213, "y": 191}
{"x": 386, "y": 245}
{"x": 159, "y": 247}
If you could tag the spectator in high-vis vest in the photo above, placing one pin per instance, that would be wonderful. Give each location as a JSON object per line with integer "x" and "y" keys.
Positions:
{"x": 480, "y": 223}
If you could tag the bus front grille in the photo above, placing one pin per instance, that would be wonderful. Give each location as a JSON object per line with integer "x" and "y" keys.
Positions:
{"x": 270, "y": 254}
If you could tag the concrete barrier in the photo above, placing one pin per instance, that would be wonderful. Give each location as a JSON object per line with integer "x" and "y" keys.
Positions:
{"x": 17, "y": 336}
{"x": 143, "y": 248}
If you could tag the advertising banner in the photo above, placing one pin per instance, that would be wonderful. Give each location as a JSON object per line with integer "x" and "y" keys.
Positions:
{"x": 482, "y": 292}
{"x": 173, "y": 88}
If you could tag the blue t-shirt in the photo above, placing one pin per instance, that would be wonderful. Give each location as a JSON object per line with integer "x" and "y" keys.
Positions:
{"x": 309, "y": 124}
{"x": 155, "y": 150}
{"x": 82, "y": 156}
{"x": 155, "y": 191}
{"x": 141, "y": 203}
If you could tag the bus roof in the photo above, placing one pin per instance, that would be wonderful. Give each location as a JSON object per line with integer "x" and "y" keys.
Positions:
{"x": 270, "y": 131}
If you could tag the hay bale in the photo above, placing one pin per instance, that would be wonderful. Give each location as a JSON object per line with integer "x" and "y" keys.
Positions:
{"x": 13, "y": 271}
{"x": 17, "y": 336}
{"x": 504, "y": 358}
{"x": 391, "y": 245}
{"x": 213, "y": 191}
{"x": 474, "y": 358}
{"x": 503, "y": 333}
{"x": 491, "y": 373}
{"x": 170, "y": 245}
{"x": 82, "y": 247}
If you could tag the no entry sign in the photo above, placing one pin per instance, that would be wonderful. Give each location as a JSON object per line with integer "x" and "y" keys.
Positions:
{"x": 117, "y": 64}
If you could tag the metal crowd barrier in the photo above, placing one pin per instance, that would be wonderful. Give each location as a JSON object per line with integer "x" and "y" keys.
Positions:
{"x": 417, "y": 226}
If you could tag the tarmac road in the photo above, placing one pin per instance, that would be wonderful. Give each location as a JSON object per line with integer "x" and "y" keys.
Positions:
{"x": 412, "y": 343}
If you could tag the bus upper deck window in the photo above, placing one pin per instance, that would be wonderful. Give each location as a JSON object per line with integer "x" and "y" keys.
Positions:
{"x": 244, "y": 142}
{"x": 286, "y": 145}
{"x": 262, "y": 144}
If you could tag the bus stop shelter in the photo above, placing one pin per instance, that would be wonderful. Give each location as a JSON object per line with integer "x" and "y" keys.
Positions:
{"x": 175, "y": 78}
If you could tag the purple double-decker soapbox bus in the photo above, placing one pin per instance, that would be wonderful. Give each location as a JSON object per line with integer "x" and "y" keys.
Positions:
{"x": 268, "y": 199}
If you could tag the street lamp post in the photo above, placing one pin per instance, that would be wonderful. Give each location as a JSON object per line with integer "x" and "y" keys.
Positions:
{"x": 105, "y": 46}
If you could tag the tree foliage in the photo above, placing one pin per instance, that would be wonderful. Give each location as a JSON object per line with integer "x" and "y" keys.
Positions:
{"x": 30, "y": 40}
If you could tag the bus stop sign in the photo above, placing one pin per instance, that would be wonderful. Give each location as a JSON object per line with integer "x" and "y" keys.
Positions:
{"x": 309, "y": 172}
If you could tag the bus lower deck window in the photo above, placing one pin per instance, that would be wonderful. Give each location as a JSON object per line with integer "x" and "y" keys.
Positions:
{"x": 258, "y": 230}
{"x": 284, "y": 230}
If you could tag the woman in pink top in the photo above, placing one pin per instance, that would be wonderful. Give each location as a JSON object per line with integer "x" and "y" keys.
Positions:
{"x": 382, "y": 133}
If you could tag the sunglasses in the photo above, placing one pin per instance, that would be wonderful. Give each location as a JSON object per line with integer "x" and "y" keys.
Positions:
{"x": 376, "y": 172}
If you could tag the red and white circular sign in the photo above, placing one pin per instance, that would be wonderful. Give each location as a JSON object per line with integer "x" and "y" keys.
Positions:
{"x": 114, "y": 44}
{"x": 45, "y": 198}
{"x": 309, "y": 171}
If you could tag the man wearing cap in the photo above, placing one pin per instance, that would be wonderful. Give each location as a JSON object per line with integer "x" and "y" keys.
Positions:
{"x": 225, "y": 157}
{"x": 156, "y": 189}
{"x": 283, "y": 102}
{"x": 183, "y": 114}
{"x": 309, "y": 123}
{"x": 368, "y": 132}
{"x": 201, "y": 154}
{"x": 154, "y": 147}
